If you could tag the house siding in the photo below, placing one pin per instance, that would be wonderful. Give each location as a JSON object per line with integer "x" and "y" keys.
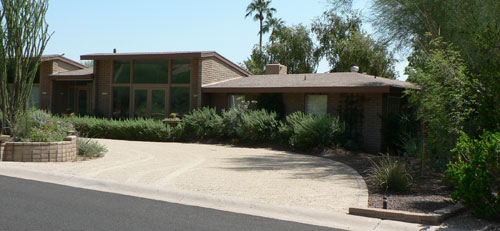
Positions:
{"x": 214, "y": 70}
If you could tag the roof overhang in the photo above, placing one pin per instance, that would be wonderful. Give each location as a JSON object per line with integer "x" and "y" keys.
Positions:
{"x": 381, "y": 89}
{"x": 72, "y": 78}
{"x": 163, "y": 55}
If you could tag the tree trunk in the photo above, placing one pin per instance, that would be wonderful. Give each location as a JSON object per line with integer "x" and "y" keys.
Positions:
{"x": 260, "y": 33}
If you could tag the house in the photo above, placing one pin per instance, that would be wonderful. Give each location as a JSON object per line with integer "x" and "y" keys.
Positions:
{"x": 43, "y": 93}
{"x": 128, "y": 85}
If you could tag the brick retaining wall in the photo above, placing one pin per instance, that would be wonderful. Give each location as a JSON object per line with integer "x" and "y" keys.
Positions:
{"x": 39, "y": 151}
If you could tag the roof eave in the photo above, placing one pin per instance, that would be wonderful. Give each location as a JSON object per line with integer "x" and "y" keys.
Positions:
{"x": 377, "y": 89}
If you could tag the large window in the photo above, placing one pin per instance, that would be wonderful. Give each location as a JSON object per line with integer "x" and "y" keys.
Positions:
{"x": 121, "y": 72}
{"x": 316, "y": 104}
{"x": 179, "y": 100}
{"x": 151, "y": 71}
{"x": 141, "y": 103}
{"x": 181, "y": 71}
{"x": 121, "y": 102}
{"x": 158, "y": 104}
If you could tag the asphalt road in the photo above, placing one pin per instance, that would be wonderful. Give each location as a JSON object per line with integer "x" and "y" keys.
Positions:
{"x": 32, "y": 205}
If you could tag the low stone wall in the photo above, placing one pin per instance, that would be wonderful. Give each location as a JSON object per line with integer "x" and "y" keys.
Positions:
{"x": 39, "y": 151}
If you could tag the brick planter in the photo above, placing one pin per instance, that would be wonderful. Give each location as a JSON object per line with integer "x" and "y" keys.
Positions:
{"x": 39, "y": 151}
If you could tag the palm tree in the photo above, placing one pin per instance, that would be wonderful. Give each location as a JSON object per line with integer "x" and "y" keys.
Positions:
{"x": 274, "y": 25}
{"x": 260, "y": 10}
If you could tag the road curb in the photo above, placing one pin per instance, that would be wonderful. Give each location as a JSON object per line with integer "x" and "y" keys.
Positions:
{"x": 331, "y": 219}
{"x": 435, "y": 218}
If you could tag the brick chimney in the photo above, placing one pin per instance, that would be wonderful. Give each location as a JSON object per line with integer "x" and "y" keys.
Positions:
{"x": 276, "y": 69}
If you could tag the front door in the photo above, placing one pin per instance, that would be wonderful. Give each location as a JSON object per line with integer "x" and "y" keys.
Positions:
{"x": 80, "y": 99}
{"x": 150, "y": 102}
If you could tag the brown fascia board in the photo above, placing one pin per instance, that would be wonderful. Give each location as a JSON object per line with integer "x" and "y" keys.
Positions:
{"x": 383, "y": 89}
{"x": 141, "y": 55}
{"x": 72, "y": 78}
{"x": 158, "y": 55}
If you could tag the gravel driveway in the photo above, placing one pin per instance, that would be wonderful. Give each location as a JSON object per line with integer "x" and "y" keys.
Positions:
{"x": 264, "y": 175}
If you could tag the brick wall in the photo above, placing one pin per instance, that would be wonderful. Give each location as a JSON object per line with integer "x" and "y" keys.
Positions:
{"x": 213, "y": 70}
{"x": 46, "y": 68}
{"x": 293, "y": 102}
{"x": 195, "y": 83}
{"x": 39, "y": 152}
{"x": 103, "y": 70}
{"x": 372, "y": 124}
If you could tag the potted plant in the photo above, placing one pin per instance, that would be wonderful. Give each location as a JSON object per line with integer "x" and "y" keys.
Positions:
{"x": 173, "y": 120}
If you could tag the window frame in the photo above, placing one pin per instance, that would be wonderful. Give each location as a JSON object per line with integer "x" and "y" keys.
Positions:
{"x": 150, "y": 87}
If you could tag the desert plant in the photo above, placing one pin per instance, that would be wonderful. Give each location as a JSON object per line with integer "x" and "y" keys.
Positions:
{"x": 390, "y": 175}
{"x": 258, "y": 126}
{"x": 202, "y": 123}
{"x": 306, "y": 131}
{"x": 90, "y": 148}
{"x": 39, "y": 126}
{"x": 476, "y": 174}
{"x": 232, "y": 118}
{"x": 138, "y": 129}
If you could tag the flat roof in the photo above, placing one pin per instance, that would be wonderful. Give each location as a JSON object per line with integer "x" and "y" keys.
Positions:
{"x": 159, "y": 55}
{"x": 347, "y": 81}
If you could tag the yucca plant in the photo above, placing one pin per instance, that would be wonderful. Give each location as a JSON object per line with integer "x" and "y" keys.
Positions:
{"x": 390, "y": 175}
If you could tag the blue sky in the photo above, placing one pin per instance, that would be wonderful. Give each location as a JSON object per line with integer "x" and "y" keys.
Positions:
{"x": 95, "y": 26}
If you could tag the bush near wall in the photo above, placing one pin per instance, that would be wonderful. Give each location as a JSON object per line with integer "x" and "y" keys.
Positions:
{"x": 299, "y": 131}
{"x": 258, "y": 126}
{"x": 306, "y": 131}
{"x": 138, "y": 129}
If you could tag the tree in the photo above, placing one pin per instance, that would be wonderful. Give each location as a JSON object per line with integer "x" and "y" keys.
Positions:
{"x": 260, "y": 10}
{"x": 472, "y": 27}
{"x": 294, "y": 48}
{"x": 273, "y": 24}
{"x": 256, "y": 63}
{"x": 446, "y": 100}
{"x": 23, "y": 38}
{"x": 344, "y": 44}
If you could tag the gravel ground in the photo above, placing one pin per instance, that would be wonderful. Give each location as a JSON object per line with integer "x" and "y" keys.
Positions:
{"x": 426, "y": 195}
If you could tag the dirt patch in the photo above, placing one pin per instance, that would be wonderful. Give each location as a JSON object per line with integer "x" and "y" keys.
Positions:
{"x": 426, "y": 195}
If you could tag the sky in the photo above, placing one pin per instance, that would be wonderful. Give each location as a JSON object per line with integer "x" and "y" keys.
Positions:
{"x": 98, "y": 26}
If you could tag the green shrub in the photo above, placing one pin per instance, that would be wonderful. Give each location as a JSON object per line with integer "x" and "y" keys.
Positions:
{"x": 390, "y": 175}
{"x": 306, "y": 131}
{"x": 90, "y": 148}
{"x": 476, "y": 175}
{"x": 137, "y": 129}
{"x": 202, "y": 123}
{"x": 257, "y": 126}
{"x": 39, "y": 126}
{"x": 233, "y": 118}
